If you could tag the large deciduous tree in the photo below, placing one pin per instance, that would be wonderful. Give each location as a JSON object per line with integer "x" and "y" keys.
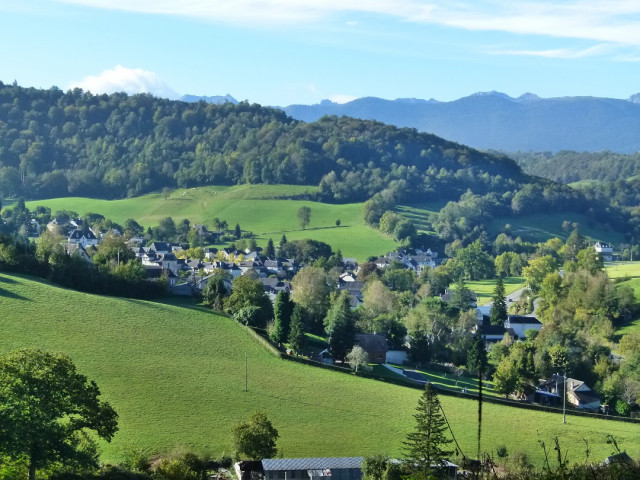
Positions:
{"x": 311, "y": 291}
{"x": 248, "y": 292}
{"x": 255, "y": 439}
{"x": 304, "y": 216}
{"x": 46, "y": 407}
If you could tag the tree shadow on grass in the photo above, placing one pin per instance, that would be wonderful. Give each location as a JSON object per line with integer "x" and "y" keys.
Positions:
{"x": 15, "y": 296}
{"x": 4, "y": 279}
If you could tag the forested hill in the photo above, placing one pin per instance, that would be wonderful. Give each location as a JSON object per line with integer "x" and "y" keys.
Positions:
{"x": 55, "y": 143}
{"x": 570, "y": 166}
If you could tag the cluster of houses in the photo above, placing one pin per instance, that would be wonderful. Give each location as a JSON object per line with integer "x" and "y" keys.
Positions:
{"x": 187, "y": 276}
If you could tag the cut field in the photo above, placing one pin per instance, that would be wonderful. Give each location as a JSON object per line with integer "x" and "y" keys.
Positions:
{"x": 540, "y": 227}
{"x": 175, "y": 374}
{"x": 484, "y": 288}
{"x": 262, "y": 209}
{"x": 628, "y": 274}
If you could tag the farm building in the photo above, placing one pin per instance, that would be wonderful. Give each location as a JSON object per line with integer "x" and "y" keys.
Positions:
{"x": 335, "y": 468}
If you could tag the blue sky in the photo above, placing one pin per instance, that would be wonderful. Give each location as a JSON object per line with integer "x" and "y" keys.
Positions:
{"x": 279, "y": 52}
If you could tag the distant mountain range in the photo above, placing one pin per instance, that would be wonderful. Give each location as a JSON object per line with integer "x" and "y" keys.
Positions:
{"x": 494, "y": 120}
{"x": 217, "y": 99}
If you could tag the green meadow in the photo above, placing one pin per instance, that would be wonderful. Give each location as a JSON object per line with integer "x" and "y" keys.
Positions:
{"x": 265, "y": 210}
{"x": 540, "y": 227}
{"x": 484, "y": 288}
{"x": 628, "y": 274}
{"x": 175, "y": 373}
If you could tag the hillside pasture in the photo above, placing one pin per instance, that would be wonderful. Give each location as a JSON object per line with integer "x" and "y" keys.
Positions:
{"x": 484, "y": 288}
{"x": 627, "y": 274}
{"x": 540, "y": 227}
{"x": 266, "y": 210}
{"x": 175, "y": 373}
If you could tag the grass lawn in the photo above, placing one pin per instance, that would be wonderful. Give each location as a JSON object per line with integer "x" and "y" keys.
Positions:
{"x": 630, "y": 270}
{"x": 484, "y": 288}
{"x": 175, "y": 374}
{"x": 444, "y": 380}
{"x": 262, "y": 209}
{"x": 421, "y": 214}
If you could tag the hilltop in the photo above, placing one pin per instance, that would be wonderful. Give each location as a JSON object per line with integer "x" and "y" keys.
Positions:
{"x": 172, "y": 370}
{"x": 56, "y": 144}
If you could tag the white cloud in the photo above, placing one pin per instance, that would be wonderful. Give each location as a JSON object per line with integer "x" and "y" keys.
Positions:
{"x": 614, "y": 21}
{"x": 558, "y": 52}
{"x": 342, "y": 98}
{"x": 129, "y": 80}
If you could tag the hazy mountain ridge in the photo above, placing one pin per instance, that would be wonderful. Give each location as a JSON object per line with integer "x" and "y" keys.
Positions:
{"x": 215, "y": 99}
{"x": 494, "y": 120}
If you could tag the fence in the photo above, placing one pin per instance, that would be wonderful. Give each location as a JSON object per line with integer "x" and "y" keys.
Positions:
{"x": 443, "y": 391}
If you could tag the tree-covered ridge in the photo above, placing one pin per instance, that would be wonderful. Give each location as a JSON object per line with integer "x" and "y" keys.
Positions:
{"x": 55, "y": 143}
{"x": 569, "y": 166}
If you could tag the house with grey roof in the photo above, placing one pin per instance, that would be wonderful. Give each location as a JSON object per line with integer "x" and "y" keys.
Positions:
{"x": 329, "y": 468}
{"x": 375, "y": 345}
{"x": 579, "y": 394}
{"x": 83, "y": 237}
{"x": 520, "y": 324}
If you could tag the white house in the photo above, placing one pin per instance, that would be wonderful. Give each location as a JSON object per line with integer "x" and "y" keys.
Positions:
{"x": 520, "y": 324}
{"x": 83, "y": 237}
{"x": 605, "y": 250}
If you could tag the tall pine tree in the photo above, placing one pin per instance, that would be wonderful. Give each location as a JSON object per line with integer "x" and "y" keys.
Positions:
{"x": 339, "y": 324}
{"x": 270, "y": 251}
{"x": 498, "y": 313}
{"x": 282, "y": 312}
{"x": 427, "y": 447}
{"x": 296, "y": 331}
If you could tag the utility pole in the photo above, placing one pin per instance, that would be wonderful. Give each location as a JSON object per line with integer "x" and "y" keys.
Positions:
{"x": 564, "y": 400}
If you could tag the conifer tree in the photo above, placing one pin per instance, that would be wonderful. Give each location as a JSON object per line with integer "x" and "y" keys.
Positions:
{"x": 428, "y": 446}
{"x": 282, "y": 312}
{"x": 339, "y": 324}
{"x": 296, "y": 332}
{"x": 498, "y": 313}
{"x": 270, "y": 251}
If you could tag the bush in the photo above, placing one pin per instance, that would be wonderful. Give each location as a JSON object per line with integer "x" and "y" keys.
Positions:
{"x": 501, "y": 451}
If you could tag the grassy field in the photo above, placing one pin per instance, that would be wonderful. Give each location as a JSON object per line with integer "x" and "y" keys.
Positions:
{"x": 537, "y": 227}
{"x": 442, "y": 380}
{"x": 542, "y": 226}
{"x": 484, "y": 288}
{"x": 624, "y": 270}
{"x": 421, "y": 214}
{"x": 175, "y": 374}
{"x": 261, "y": 209}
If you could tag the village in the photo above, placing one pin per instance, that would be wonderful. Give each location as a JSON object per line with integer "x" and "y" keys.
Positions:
{"x": 184, "y": 276}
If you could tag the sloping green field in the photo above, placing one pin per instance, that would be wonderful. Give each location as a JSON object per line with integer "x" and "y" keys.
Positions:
{"x": 262, "y": 209}
{"x": 540, "y": 227}
{"x": 629, "y": 273}
{"x": 175, "y": 374}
